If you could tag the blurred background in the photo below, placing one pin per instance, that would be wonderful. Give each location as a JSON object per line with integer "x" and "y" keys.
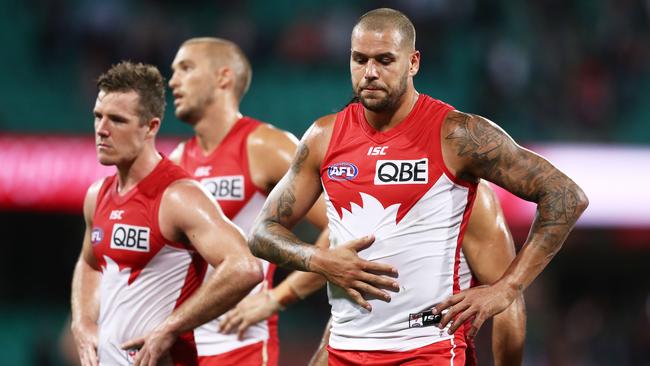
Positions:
{"x": 568, "y": 78}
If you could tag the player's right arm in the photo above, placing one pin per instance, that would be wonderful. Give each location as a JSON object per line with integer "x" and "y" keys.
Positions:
{"x": 85, "y": 283}
{"x": 289, "y": 201}
{"x": 489, "y": 249}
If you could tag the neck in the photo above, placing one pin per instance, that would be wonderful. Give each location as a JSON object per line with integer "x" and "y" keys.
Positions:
{"x": 218, "y": 119}
{"x": 385, "y": 120}
{"x": 131, "y": 173}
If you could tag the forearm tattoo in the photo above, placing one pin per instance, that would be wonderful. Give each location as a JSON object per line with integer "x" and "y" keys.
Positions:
{"x": 271, "y": 239}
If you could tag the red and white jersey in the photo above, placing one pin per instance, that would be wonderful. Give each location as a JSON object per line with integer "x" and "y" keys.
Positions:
{"x": 226, "y": 174}
{"x": 144, "y": 276}
{"x": 395, "y": 185}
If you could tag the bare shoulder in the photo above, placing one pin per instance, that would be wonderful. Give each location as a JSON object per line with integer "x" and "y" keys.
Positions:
{"x": 323, "y": 126}
{"x": 318, "y": 136}
{"x": 184, "y": 193}
{"x": 177, "y": 154}
{"x": 90, "y": 201}
{"x": 472, "y": 135}
{"x": 94, "y": 188}
{"x": 475, "y": 147}
{"x": 269, "y": 141}
{"x": 268, "y": 134}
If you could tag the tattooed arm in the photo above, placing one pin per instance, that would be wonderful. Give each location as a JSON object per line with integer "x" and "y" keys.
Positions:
{"x": 289, "y": 201}
{"x": 473, "y": 148}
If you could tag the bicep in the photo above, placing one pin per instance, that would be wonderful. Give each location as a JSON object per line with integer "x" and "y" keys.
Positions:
{"x": 188, "y": 213}
{"x": 90, "y": 202}
{"x": 478, "y": 148}
{"x": 87, "y": 255}
{"x": 317, "y": 214}
{"x": 217, "y": 238}
{"x": 297, "y": 191}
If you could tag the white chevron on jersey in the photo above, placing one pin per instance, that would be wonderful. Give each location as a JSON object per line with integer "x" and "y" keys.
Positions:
{"x": 123, "y": 314}
{"x": 423, "y": 246}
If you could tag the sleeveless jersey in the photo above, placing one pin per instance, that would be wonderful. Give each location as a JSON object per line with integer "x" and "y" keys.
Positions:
{"x": 226, "y": 174}
{"x": 395, "y": 185}
{"x": 144, "y": 276}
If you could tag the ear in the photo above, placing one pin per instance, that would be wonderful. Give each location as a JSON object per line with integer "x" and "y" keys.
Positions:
{"x": 153, "y": 126}
{"x": 225, "y": 77}
{"x": 414, "y": 65}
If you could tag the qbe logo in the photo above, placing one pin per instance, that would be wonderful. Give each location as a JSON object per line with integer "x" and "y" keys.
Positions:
{"x": 402, "y": 172}
{"x": 129, "y": 237}
{"x": 342, "y": 171}
{"x": 225, "y": 188}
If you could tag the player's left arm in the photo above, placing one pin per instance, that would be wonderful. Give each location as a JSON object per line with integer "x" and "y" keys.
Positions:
{"x": 489, "y": 249}
{"x": 473, "y": 148}
{"x": 270, "y": 152}
{"x": 221, "y": 244}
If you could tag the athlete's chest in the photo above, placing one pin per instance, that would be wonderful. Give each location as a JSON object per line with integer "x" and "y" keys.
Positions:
{"x": 358, "y": 161}
{"x": 127, "y": 234}
{"x": 400, "y": 171}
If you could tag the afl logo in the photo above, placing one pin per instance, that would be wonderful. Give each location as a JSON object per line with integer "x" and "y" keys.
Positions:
{"x": 96, "y": 236}
{"x": 342, "y": 171}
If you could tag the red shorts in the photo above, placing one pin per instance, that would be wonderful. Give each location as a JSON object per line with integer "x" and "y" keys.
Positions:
{"x": 445, "y": 353}
{"x": 257, "y": 354}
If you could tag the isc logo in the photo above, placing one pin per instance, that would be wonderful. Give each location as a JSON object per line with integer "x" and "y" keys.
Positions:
{"x": 226, "y": 188}
{"x": 116, "y": 215}
{"x": 342, "y": 171}
{"x": 129, "y": 237}
{"x": 424, "y": 319}
{"x": 402, "y": 172}
{"x": 202, "y": 171}
{"x": 377, "y": 150}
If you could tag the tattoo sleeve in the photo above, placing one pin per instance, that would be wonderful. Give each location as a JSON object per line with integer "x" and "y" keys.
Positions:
{"x": 491, "y": 154}
{"x": 271, "y": 238}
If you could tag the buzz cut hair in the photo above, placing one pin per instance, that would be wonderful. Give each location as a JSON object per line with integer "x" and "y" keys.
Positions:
{"x": 233, "y": 56}
{"x": 144, "y": 79}
{"x": 383, "y": 18}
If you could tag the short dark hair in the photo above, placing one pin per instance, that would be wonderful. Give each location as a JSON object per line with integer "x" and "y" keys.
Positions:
{"x": 144, "y": 79}
{"x": 379, "y": 19}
